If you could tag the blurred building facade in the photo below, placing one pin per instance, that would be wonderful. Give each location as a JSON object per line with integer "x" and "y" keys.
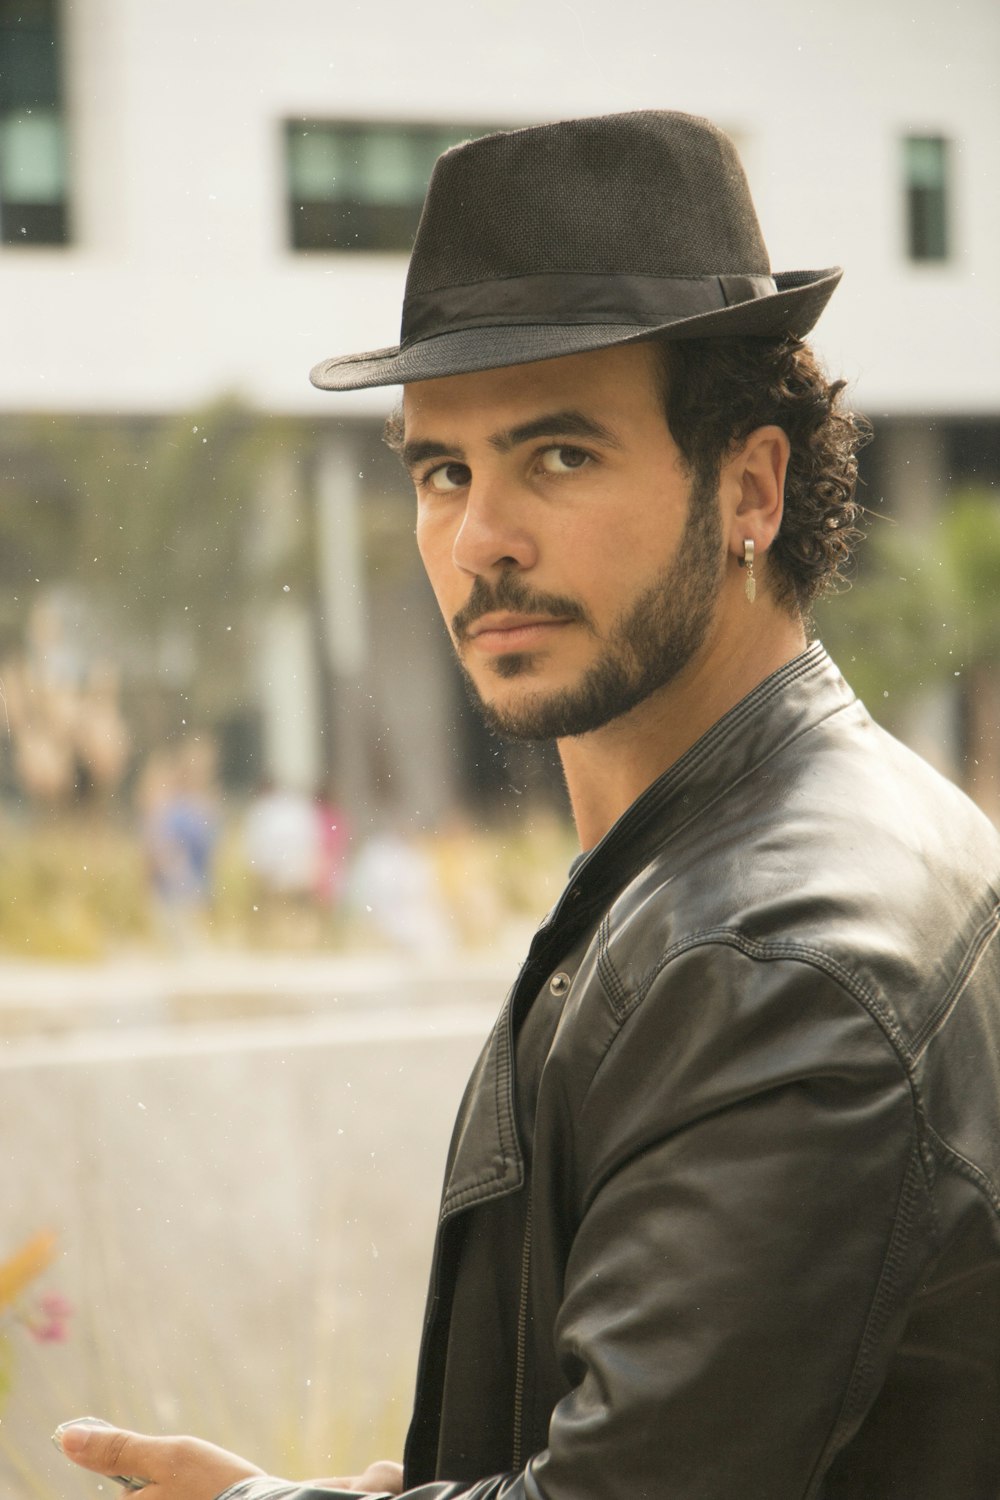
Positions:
{"x": 202, "y": 198}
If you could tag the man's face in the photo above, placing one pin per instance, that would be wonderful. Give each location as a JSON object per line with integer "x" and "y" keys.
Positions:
{"x": 573, "y": 563}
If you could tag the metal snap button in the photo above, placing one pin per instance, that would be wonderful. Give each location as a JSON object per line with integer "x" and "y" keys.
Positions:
{"x": 559, "y": 984}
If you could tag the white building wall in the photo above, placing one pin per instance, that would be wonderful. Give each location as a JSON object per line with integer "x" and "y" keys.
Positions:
{"x": 179, "y": 284}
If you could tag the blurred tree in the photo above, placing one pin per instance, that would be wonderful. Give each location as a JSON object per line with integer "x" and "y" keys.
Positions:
{"x": 924, "y": 613}
{"x": 148, "y": 528}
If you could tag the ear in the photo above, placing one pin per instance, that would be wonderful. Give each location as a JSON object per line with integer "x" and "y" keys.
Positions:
{"x": 753, "y": 483}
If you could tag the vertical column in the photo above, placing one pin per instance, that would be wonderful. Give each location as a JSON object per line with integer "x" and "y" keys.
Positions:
{"x": 343, "y": 603}
{"x": 912, "y": 469}
{"x": 287, "y": 669}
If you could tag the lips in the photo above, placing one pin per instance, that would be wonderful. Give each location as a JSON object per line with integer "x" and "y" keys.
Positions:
{"x": 510, "y": 632}
{"x": 487, "y": 624}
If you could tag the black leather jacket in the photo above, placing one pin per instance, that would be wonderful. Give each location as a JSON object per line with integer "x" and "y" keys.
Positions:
{"x": 740, "y": 1238}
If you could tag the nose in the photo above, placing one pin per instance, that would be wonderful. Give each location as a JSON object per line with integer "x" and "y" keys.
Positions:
{"x": 493, "y": 533}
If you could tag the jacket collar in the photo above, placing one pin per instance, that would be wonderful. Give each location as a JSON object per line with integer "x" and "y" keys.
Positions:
{"x": 786, "y": 704}
{"x": 486, "y": 1159}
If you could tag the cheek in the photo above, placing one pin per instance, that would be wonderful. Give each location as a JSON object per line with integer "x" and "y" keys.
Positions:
{"x": 647, "y": 536}
{"x": 430, "y": 542}
{"x": 434, "y": 543}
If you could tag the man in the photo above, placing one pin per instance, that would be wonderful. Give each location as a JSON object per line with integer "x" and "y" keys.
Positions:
{"x": 721, "y": 1216}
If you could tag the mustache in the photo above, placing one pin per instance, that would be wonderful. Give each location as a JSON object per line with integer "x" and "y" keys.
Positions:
{"x": 512, "y": 593}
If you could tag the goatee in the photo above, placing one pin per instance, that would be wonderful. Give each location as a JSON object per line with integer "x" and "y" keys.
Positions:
{"x": 650, "y": 642}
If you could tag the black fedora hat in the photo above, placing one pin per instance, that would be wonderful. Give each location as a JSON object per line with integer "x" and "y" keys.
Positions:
{"x": 571, "y": 237}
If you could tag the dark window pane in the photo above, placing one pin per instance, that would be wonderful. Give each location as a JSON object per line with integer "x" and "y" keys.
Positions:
{"x": 34, "y": 224}
{"x": 926, "y": 167}
{"x": 29, "y": 54}
{"x": 33, "y": 178}
{"x": 37, "y": 13}
{"x": 360, "y": 186}
{"x": 353, "y": 226}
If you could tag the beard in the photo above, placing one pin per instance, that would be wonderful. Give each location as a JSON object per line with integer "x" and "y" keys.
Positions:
{"x": 648, "y": 645}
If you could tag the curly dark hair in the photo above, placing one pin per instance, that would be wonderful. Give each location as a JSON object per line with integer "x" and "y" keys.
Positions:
{"x": 716, "y": 391}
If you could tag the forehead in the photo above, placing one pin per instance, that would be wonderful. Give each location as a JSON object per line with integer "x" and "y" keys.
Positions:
{"x": 607, "y": 382}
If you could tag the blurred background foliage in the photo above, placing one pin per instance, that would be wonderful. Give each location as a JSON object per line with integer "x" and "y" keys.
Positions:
{"x": 922, "y": 618}
{"x": 155, "y": 524}
{"x": 925, "y": 605}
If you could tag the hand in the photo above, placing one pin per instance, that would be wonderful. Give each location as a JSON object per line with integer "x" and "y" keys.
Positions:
{"x": 181, "y": 1468}
{"x": 382, "y": 1477}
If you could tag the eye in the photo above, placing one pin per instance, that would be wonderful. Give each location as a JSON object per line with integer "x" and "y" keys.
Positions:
{"x": 562, "y": 460}
{"x": 447, "y": 478}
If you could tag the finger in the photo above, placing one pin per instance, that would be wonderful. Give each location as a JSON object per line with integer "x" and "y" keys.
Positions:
{"x": 95, "y": 1444}
{"x": 382, "y": 1477}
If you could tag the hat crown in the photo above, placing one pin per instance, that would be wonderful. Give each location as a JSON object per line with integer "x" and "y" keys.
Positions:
{"x": 563, "y": 239}
{"x": 652, "y": 193}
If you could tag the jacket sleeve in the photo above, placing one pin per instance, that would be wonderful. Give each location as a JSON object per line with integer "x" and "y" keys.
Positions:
{"x": 751, "y": 1214}
{"x": 270, "y": 1488}
{"x": 754, "y": 1216}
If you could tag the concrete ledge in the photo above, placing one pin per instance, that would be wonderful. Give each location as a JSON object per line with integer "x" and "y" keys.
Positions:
{"x": 38, "y": 999}
{"x": 245, "y": 1213}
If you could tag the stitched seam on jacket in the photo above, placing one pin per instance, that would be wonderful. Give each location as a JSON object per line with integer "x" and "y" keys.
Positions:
{"x": 706, "y": 748}
{"x": 752, "y": 948}
{"x": 858, "y": 1387}
{"x": 671, "y": 785}
{"x": 710, "y": 750}
{"x": 765, "y": 951}
{"x": 810, "y": 661}
{"x": 607, "y": 973}
{"x": 965, "y": 1168}
{"x": 478, "y": 1188}
{"x": 485, "y": 1180}
{"x": 503, "y": 1074}
{"x": 968, "y": 967}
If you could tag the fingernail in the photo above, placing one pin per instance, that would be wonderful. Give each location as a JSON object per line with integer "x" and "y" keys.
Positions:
{"x": 71, "y": 1436}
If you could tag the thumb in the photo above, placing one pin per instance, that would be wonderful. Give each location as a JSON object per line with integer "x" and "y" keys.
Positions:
{"x": 107, "y": 1449}
{"x": 191, "y": 1468}
{"x": 95, "y": 1444}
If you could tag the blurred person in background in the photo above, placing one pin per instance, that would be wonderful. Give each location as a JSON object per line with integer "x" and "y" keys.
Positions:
{"x": 177, "y": 803}
{"x": 63, "y": 713}
{"x": 281, "y": 840}
{"x": 395, "y": 891}
{"x": 283, "y": 845}
{"x": 333, "y": 837}
{"x": 722, "y": 1211}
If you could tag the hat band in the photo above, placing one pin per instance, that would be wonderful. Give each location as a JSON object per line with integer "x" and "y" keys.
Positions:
{"x": 569, "y": 297}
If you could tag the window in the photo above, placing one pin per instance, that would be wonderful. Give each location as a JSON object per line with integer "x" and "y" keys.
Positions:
{"x": 926, "y": 169}
{"x": 361, "y": 186}
{"x": 33, "y": 177}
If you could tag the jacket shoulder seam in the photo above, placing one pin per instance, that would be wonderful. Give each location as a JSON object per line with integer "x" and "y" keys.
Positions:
{"x": 624, "y": 1002}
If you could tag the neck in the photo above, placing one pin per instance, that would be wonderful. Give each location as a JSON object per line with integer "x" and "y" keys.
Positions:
{"x": 609, "y": 768}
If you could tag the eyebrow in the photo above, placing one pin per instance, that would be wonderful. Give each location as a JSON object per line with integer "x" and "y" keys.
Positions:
{"x": 554, "y": 424}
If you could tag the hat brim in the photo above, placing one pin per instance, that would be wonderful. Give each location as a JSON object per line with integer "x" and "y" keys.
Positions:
{"x": 791, "y": 310}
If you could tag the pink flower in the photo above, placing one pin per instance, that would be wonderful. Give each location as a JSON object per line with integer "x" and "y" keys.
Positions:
{"x": 51, "y": 1327}
{"x": 55, "y": 1305}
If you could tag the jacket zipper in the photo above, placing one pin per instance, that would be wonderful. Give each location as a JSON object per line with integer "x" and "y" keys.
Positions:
{"x": 522, "y": 1341}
